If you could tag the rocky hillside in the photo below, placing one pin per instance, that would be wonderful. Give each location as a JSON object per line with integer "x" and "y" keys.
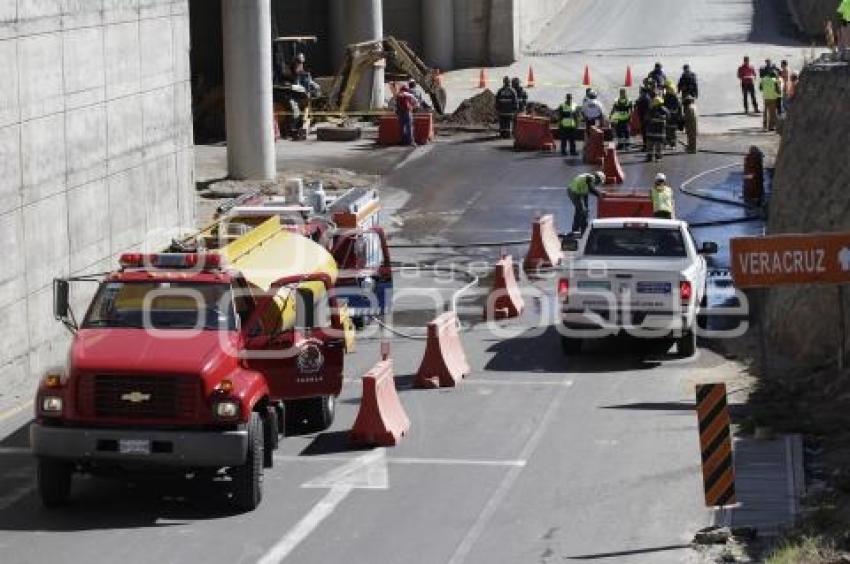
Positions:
{"x": 812, "y": 194}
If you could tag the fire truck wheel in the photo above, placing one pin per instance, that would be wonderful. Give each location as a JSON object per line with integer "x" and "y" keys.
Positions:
{"x": 54, "y": 481}
{"x": 248, "y": 478}
{"x": 270, "y": 438}
{"x": 326, "y": 413}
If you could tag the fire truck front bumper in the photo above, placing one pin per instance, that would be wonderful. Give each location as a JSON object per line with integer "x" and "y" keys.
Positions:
{"x": 185, "y": 449}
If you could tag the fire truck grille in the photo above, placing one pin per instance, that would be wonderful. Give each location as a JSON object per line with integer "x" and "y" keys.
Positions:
{"x": 138, "y": 397}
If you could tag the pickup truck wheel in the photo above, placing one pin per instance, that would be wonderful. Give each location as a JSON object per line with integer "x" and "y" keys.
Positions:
{"x": 248, "y": 478}
{"x": 270, "y": 437}
{"x": 54, "y": 481}
{"x": 570, "y": 345}
{"x": 687, "y": 345}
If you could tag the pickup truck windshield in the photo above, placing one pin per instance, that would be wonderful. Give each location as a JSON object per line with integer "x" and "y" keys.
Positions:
{"x": 636, "y": 242}
{"x": 162, "y": 305}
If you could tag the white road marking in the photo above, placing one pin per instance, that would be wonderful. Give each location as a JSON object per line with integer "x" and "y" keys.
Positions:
{"x": 562, "y": 383}
{"x": 501, "y": 492}
{"x": 307, "y": 525}
{"x": 365, "y": 472}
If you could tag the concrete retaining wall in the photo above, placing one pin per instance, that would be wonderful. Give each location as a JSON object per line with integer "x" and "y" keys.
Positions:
{"x": 494, "y": 32}
{"x": 95, "y": 155}
{"x": 811, "y": 15}
{"x": 811, "y": 195}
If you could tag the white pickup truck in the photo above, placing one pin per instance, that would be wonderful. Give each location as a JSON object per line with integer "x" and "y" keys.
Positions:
{"x": 643, "y": 277}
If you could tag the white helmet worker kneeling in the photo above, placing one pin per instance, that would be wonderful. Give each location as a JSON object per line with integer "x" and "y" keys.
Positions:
{"x": 662, "y": 198}
{"x": 579, "y": 190}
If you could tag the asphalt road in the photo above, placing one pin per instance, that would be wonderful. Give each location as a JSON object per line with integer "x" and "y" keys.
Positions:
{"x": 534, "y": 458}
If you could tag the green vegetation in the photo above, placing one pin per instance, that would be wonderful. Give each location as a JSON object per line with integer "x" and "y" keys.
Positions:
{"x": 806, "y": 550}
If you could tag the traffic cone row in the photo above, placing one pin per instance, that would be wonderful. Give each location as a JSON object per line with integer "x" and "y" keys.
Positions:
{"x": 530, "y": 82}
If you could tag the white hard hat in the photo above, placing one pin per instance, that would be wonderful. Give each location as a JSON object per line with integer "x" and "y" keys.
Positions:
{"x": 600, "y": 177}
{"x": 661, "y": 177}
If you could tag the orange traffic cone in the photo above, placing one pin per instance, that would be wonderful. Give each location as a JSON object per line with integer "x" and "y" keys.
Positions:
{"x": 586, "y": 81}
{"x": 628, "y": 82}
{"x": 482, "y": 79}
{"x": 530, "y": 81}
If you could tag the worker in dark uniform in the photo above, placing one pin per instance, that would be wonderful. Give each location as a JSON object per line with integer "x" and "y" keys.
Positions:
{"x": 691, "y": 124}
{"x": 507, "y": 104}
{"x": 642, "y": 108}
{"x": 521, "y": 94}
{"x": 674, "y": 107}
{"x": 656, "y": 130}
{"x": 688, "y": 84}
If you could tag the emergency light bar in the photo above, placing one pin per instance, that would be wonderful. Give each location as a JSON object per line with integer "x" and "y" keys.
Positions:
{"x": 205, "y": 261}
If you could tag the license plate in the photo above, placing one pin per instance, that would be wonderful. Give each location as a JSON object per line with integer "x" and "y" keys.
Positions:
{"x": 133, "y": 446}
{"x": 654, "y": 287}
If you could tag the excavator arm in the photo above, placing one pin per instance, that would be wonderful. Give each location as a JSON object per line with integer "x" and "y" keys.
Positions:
{"x": 398, "y": 54}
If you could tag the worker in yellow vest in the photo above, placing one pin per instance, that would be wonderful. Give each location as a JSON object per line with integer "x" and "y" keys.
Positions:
{"x": 621, "y": 113}
{"x": 662, "y": 198}
{"x": 579, "y": 192}
{"x": 771, "y": 89}
{"x": 568, "y": 125}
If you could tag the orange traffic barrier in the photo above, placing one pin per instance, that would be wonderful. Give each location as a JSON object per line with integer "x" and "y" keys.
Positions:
{"x": 611, "y": 166}
{"x": 389, "y": 129}
{"x": 594, "y": 147}
{"x": 530, "y": 81}
{"x": 545, "y": 248}
{"x": 381, "y": 420}
{"x": 482, "y": 79}
{"x": 505, "y": 299}
{"x": 628, "y": 83}
{"x": 635, "y": 203}
{"x": 586, "y": 81}
{"x": 532, "y": 133}
{"x": 444, "y": 363}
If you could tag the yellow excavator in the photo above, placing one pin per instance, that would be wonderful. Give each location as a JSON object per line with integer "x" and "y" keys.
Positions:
{"x": 400, "y": 58}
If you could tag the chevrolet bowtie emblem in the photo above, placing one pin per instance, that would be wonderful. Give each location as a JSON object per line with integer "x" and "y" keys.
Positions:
{"x": 136, "y": 397}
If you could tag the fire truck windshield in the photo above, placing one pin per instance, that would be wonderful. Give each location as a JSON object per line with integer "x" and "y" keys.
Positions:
{"x": 162, "y": 305}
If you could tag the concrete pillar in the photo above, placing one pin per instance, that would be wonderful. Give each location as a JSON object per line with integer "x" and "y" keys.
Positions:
{"x": 438, "y": 33}
{"x": 248, "y": 89}
{"x": 356, "y": 21}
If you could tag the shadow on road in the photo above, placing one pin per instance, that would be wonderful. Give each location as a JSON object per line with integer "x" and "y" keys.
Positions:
{"x": 332, "y": 442}
{"x": 533, "y": 352}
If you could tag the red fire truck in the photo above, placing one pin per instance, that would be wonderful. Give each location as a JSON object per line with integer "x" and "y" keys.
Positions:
{"x": 196, "y": 361}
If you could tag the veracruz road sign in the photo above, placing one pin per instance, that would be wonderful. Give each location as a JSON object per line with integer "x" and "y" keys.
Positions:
{"x": 759, "y": 262}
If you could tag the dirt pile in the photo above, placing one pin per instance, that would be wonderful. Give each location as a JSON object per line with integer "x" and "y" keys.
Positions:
{"x": 478, "y": 110}
{"x": 541, "y": 110}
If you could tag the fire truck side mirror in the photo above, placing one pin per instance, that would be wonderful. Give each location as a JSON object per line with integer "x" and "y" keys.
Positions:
{"x": 61, "y": 305}
{"x": 305, "y": 309}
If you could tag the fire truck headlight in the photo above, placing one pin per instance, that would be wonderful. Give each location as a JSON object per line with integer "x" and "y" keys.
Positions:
{"x": 227, "y": 409}
{"x": 310, "y": 360}
{"x": 52, "y": 405}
